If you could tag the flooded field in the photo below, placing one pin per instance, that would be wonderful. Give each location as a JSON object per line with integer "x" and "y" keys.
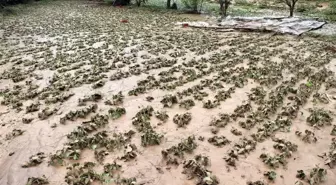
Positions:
{"x": 92, "y": 94}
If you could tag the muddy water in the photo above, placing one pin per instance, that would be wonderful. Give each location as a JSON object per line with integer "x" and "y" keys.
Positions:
{"x": 39, "y": 137}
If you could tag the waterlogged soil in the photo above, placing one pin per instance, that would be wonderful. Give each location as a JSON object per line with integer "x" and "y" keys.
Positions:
{"x": 198, "y": 106}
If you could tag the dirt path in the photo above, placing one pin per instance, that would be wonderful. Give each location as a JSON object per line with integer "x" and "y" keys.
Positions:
{"x": 69, "y": 70}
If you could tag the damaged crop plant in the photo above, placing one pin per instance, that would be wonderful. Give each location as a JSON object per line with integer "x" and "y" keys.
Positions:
{"x": 197, "y": 168}
{"x": 102, "y": 104}
{"x": 320, "y": 117}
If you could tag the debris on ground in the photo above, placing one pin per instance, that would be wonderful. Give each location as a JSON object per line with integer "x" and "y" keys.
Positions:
{"x": 32, "y": 107}
{"x": 37, "y": 181}
{"x": 47, "y": 112}
{"x": 94, "y": 98}
{"x": 289, "y": 25}
{"x": 14, "y": 133}
{"x": 34, "y": 160}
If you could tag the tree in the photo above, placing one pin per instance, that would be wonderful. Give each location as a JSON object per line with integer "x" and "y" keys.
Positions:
{"x": 224, "y": 5}
{"x": 291, "y": 4}
{"x": 168, "y": 4}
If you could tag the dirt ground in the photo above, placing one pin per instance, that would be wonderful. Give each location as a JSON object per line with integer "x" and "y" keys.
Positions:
{"x": 152, "y": 103}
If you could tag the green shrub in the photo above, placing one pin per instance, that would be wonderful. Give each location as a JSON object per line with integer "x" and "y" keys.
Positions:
{"x": 305, "y": 8}
{"x": 242, "y": 2}
{"x": 332, "y": 5}
{"x": 330, "y": 13}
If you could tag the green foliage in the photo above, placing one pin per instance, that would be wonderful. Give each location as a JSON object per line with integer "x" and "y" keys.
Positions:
{"x": 150, "y": 138}
{"x": 317, "y": 175}
{"x": 332, "y": 5}
{"x": 242, "y": 2}
{"x": 319, "y": 117}
{"x": 109, "y": 1}
{"x": 219, "y": 141}
{"x": 305, "y": 7}
{"x": 117, "y": 112}
{"x": 328, "y": 14}
{"x": 139, "y": 2}
{"x": 194, "y": 5}
{"x": 309, "y": 84}
{"x": 162, "y": 116}
{"x": 169, "y": 100}
{"x": 187, "y": 145}
{"x": 263, "y": 4}
{"x": 271, "y": 175}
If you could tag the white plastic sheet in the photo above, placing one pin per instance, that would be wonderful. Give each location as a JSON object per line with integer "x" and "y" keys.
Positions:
{"x": 295, "y": 26}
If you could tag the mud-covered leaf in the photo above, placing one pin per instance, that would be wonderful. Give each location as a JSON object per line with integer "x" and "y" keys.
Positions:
{"x": 182, "y": 119}
{"x": 37, "y": 180}
{"x": 116, "y": 113}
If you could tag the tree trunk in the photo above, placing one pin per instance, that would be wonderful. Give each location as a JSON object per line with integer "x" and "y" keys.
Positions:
{"x": 221, "y": 8}
{"x": 225, "y": 10}
{"x": 291, "y": 11}
{"x": 168, "y": 4}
